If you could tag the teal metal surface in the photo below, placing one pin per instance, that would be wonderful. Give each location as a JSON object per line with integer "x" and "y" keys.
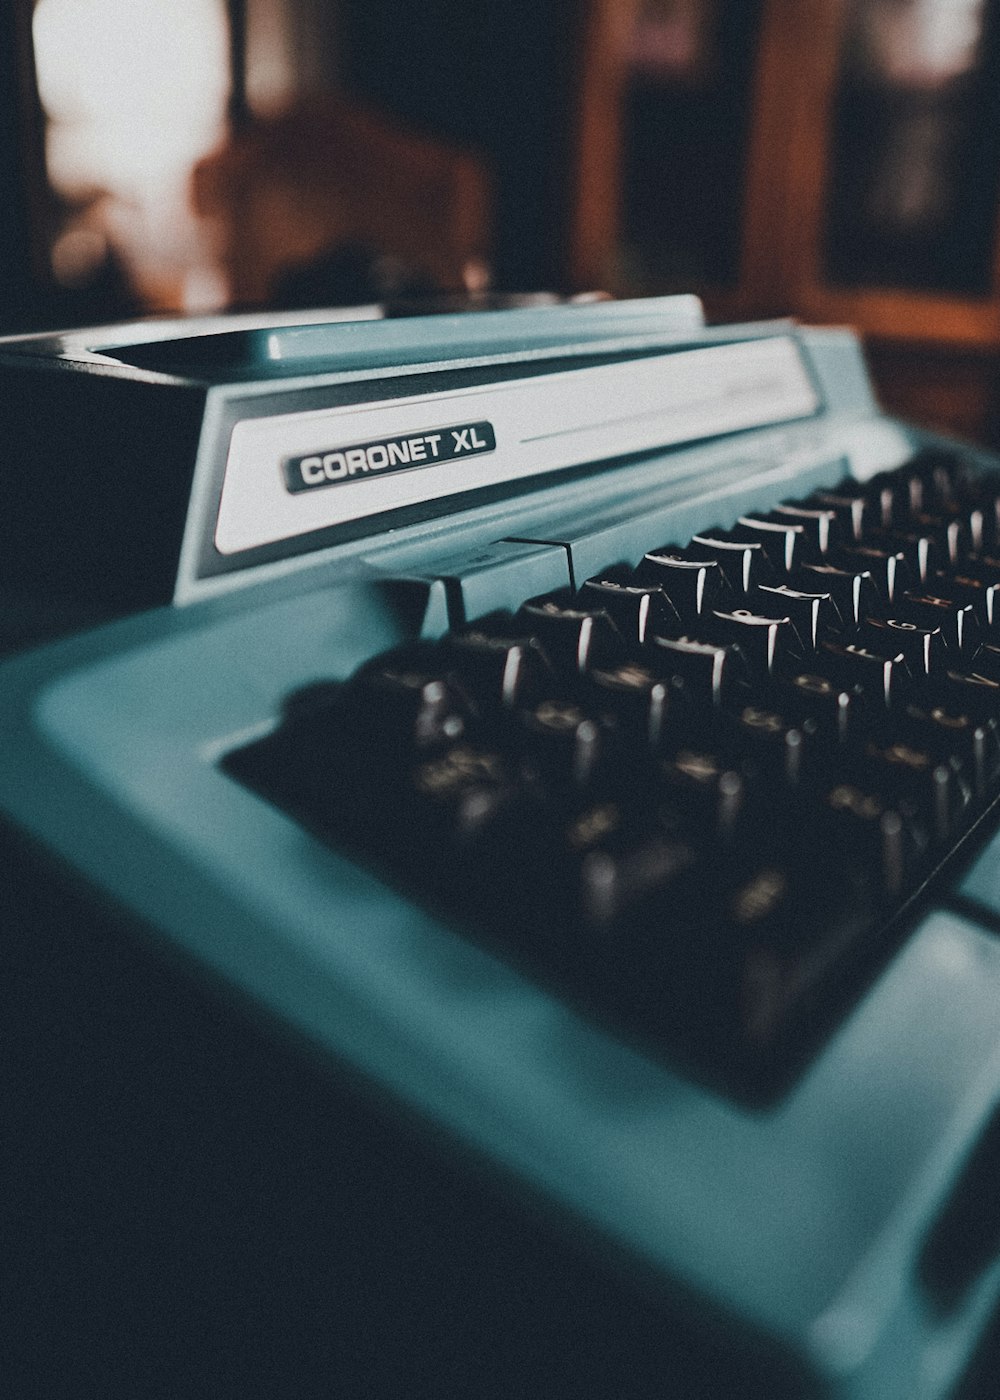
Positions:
{"x": 804, "y": 1222}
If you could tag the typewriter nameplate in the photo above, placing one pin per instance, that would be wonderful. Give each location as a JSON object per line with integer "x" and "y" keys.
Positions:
{"x": 527, "y": 427}
{"x": 337, "y": 466}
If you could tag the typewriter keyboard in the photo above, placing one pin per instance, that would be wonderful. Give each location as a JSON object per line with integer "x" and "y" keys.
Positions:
{"x": 695, "y": 794}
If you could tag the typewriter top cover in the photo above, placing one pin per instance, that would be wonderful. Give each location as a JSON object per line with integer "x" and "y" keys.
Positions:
{"x": 334, "y": 646}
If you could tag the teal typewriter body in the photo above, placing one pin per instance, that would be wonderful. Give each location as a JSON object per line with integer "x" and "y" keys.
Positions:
{"x": 336, "y": 647}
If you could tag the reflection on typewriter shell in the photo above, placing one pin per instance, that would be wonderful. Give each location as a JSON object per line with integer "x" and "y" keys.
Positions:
{"x": 504, "y": 899}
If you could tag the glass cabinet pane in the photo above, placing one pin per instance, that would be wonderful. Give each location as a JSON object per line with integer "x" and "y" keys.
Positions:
{"x": 915, "y": 147}
{"x": 686, "y": 124}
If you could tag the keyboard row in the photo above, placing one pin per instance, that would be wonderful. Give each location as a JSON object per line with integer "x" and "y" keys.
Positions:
{"x": 694, "y": 793}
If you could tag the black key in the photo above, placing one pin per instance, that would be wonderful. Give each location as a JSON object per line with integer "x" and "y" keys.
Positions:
{"x": 850, "y": 505}
{"x": 813, "y": 615}
{"x": 619, "y": 869}
{"x": 561, "y": 744}
{"x": 937, "y": 479}
{"x": 744, "y": 562}
{"x": 957, "y": 620}
{"x": 575, "y": 638}
{"x": 951, "y": 536}
{"x": 500, "y": 668}
{"x": 771, "y": 742}
{"x": 706, "y": 673}
{"x": 779, "y": 910}
{"x": 986, "y": 662}
{"x": 638, "y": 702}
{"x": 853, "y": 590}
{"x": 707, "y": 788}
{"x": 979, "y": 521}
{"x": 767, "y": 643}
{"x": 785, "y": 542}
{"x": 910, "y": 492}
{"x": 890, "y": 572}
{"x": 922, "y": 552}
{"x": 985, "y": 566}
{"x": 971, "y": 583}
{"x": 461, "y": 797}
{"x": 835, "y": 711}
{"x": 400, "y": 701}
{"x": 821, "y": 524}
{"x": 983, "y": 498}
{"x": 637, "y": 610}
{"x": 964, "y": 692}
{"x": 862, "y": 833}
{"x": 883, "y": 679}
{"x": 905, "y": 772}
{"x": 946, "y": 731}
{"x": 694, "y": 586}
{"x": 922, "y": 648}
{"x": 888, "y": 494}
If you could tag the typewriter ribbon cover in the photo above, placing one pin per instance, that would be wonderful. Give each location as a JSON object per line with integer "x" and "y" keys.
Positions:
{"x": 292, "y": 474}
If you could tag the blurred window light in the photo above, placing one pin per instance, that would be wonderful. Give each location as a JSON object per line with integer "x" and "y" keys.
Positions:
{"x": 135, "y": 92}
{"x": 271, "y": 78}
{"x": 919, "y": 43}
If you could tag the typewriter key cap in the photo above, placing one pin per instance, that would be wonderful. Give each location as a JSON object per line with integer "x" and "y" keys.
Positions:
{"x": 869, "y": 836}
{"x": 769, "y": 741}
{"x": 971, "y": 583}
{"x": 938, "y": 789}
{"x": 744, "y": 562}
{"x": 785, "y": 542}
{"x": 849, "y": 504}
{"x": 705, "y": 673}
{"x": 767, "y": 643}
{"x": 922, "y": 648}
{"x": 637, "y": 610}
{"x": 837, "y": 712}
{"x": 707, "y": 789}
{"x": 560, "y": 743}
{"x": 853, "y": 590}
{"x": 946, "y": 732}
{"x": 965, "y": 692}
{"x": 500, "y": 668}
{"x": 813, "y": 615}
{"x": 574, "y": 637}
{"x": 399, "y": 701}
{"x": 822, "y": 526}
{"x": 624, "y": 871}
{"x": 923, "y": 553}
{"x": 986, "y": 661}
{"x": 956, "y": 620}
{"x": 890, "y": 572}
{"x": 882, "y": 679}
{"x": 889, "y": 496}
{"x": 694, "y": 585}
{"x": 635, "y": 700}
{"x": 459, "y": 796}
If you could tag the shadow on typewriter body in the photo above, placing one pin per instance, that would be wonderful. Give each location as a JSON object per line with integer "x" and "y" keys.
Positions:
{"x": 517, "y": 917}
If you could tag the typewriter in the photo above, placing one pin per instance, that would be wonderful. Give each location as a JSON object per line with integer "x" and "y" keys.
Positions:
{"x": 503, "y": 893}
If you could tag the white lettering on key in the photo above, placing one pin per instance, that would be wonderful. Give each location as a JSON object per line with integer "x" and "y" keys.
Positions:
{"x": 418, "y": 451}
{"x": 433, "y": 439}
{"x": 461, "y": 436}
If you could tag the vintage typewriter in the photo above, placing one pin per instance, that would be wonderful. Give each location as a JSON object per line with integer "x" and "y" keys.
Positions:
{"x": 504, "y": 885}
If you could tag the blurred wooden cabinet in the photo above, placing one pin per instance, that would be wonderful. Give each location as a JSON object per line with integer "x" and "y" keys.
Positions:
{"x": 834, "y": 159}
{"x": 286, "y": 192}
